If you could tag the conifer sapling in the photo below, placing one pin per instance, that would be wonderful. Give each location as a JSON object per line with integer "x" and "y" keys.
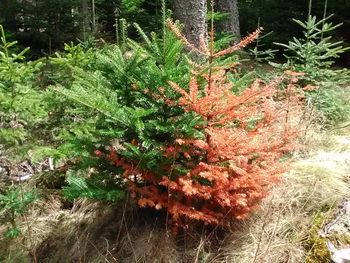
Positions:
{"x": 223, "y": 170}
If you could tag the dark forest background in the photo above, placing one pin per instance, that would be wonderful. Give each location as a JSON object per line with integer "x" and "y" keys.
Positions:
{"x": 45, "y": 25}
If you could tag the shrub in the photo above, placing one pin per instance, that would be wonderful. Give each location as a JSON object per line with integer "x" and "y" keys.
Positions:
{"x": 14, "y": 202}
{"x": 314, "y": 50}
{"x": 224, "y": 152}
{"x": 114, "y": 102}
{"x": 314, "y": 54}
{"x": 21, "y": 104}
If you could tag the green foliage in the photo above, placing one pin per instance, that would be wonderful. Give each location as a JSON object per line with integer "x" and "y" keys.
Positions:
{"x": 222, "y": 41}
{"x": 93, "y": 188}
{"x": 217, "y": 16}
{"x": 332, "y": 103}
{"x": 118, "y": 96}
{"x": 258, "y": 53}
{"x": 76, "y": 55}
{"x": 122, "y": 92}
{"x": 276, "y": 16}
{"x": 13, "y": 232}
{"x": 21, "y": 104}
{"x": 62, "y": 115}
{"x": 14, "y": 202}
{"x": 121, "y": 99}
{"x": 147, "y": 13}
{"x": 131, "y": 6}
{"x": 314, "y": 54}
{"x": 79, "y": 56}
{"x": 314, "y": 50}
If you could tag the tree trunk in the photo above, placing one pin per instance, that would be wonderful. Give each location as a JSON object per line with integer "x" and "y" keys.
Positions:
{"x": 93, "y": 16}
{"x": 230, "y": 24}
{"x": 85, "y": 18}
{"x": 192, "y": 13}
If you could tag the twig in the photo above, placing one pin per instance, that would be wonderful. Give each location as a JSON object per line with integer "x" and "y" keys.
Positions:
{"x": 98, "y": 251}
{"x": 310, "y": 195}
{"x": 130, "y": 241}
{"x": 274, "y": 230}
{"x": 201, "y": 244}
{"x": 262, "y": 232}
{"x": 342, "y": 127}
{"x": 31, "y": 244}
{"x": 123, "y": 217}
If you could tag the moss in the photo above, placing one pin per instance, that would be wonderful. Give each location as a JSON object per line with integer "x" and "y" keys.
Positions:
{"x": 315, "y": 244}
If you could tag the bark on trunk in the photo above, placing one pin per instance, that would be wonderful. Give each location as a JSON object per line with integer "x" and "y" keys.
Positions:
{"x": 85, "y": 18}
{"x": 93, "y": 16}
{"x": 192, "y": 13}
{"x": 231, "y": 24}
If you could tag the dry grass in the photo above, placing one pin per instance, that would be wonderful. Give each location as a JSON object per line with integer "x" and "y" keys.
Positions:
{"x": 277, "y": 233}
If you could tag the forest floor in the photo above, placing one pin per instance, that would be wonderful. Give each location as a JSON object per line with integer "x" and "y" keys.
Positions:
{"x": 304, "y": 217}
